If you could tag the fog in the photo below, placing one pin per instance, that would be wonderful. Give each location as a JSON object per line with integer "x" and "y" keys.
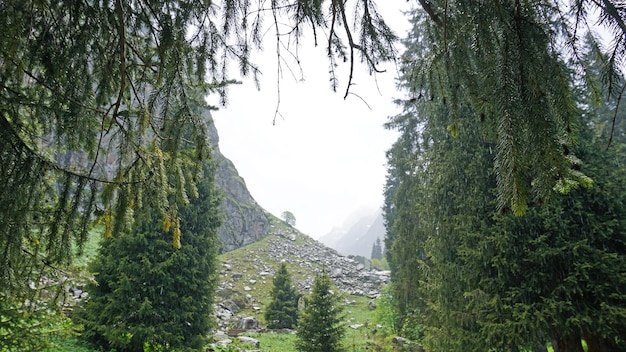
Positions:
{"x": 321, "y": 157}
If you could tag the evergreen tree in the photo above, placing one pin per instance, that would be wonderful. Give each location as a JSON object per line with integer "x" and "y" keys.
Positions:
{"x": 110, "y": 82}
{"x": 150, "y": 293}
{"x": 482, "y": 279}
{"x": 377, "y": 250}
{"x": 320, "y": 327}
{"x": 494, "y": 56}
{"x": 282, "y": 311}
{"x": 95, "y": 96}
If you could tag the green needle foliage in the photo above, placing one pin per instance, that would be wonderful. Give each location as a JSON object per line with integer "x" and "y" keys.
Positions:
{"x": 377, "y": 249}
{"x": 320, "y": 326}
{"x": 97, "y": 116}
{"x": 150, "y": 293}
{"x": 481, "y": 279}
{"x": 282, "y": 312}
{"x": 507, "y": 60}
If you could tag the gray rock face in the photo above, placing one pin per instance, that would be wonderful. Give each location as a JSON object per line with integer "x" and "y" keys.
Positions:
{"x": 244, "y": 220}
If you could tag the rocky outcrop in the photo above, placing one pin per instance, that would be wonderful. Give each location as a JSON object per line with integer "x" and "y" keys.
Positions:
{"x": 244, "y": 220}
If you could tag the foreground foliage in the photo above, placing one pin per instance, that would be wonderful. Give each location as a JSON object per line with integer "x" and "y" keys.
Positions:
{"x": 97, "y": 116}
{"x": 149, "y": 293}
{"x": 477, "y": 274}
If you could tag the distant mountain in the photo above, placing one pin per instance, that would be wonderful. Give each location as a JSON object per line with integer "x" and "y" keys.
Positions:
{"x": 357, "y": 237}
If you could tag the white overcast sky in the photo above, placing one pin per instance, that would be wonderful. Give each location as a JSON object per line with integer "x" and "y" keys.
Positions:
{"x": 324, "y": 158}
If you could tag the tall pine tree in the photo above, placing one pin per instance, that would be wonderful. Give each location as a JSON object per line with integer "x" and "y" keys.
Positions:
{"x": 377, "y": 249}
{"x": 483, "y": 279}
{"x": 95, "y": 110}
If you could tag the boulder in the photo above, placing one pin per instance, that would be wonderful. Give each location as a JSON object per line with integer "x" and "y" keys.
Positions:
{"x": 248, "y": 323}
{"x": 249, "y": 341}
{"x": 399, "y": 341}
{"x": 231, "y": 306}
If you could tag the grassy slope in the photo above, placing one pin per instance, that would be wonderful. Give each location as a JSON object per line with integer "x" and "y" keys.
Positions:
{"x": 251, "y": 259}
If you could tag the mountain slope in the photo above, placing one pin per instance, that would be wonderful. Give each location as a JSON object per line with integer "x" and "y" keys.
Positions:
{"x": 245, "y": 221}
{"x": 246, "y": 275}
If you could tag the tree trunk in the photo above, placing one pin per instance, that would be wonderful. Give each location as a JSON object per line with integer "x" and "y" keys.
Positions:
{"x": 596, "y": 343}
{"x": 567, "y": 342}
{"x": 540, "y": 348}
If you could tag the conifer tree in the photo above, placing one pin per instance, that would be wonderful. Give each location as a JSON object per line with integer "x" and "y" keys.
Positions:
{"x": 377, "y": 250}
{"x": 95, "y": 94}
{"x": 494, "y": 56}
{"x": 150, "y": 293}
{"x": 282, "y": 312}
{"x": 320, "y": 327}
{"x": 483, "y": 279}
{"x": 289, "y": 218}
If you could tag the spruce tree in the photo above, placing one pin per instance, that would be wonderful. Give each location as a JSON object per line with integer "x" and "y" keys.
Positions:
{"x": 150, "y": 293}
{"x": 479, "y": 278}
{"x": 377, "y": 250}
{"x": 320, "y": 327}
{"x": 494, "y": 56}
{"x": 95, "y": 95}
{"x": 282, "y": 312}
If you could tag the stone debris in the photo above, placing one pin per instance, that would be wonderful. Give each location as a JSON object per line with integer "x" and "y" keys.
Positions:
{"x": 305, "y": 256}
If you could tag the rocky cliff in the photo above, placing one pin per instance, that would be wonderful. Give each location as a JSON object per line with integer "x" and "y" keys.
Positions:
{"x": 245, "y": 221}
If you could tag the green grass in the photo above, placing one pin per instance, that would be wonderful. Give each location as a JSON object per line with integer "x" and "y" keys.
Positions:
{"x": 275, "y": 342}
{"x": 255, "y": 257}
{"x": 80, "y": 263}
{"x": 361, "y": 338}
{"x": 249, "y": 260}
{"x": 355, "y": 340}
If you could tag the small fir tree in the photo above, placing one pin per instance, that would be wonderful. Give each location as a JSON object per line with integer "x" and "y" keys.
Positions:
{"x": 282, "y": 313}
{"x": 377, "y": 250}
{"x": 320, "y": 327}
